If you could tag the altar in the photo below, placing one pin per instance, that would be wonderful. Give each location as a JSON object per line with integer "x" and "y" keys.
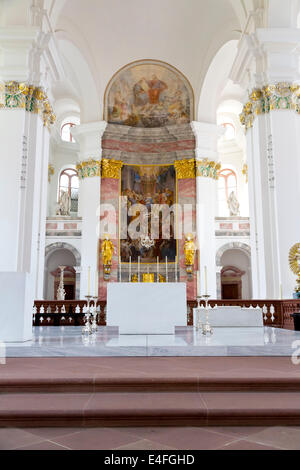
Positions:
{"x": 145, "y": 309}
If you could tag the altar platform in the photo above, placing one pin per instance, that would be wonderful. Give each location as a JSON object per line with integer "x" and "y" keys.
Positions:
{"x": 225, "y": 342}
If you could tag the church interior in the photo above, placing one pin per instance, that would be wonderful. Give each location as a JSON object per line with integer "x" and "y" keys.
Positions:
{"x": 150, "y": 230}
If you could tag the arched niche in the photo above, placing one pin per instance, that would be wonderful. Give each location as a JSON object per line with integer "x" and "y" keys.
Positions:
{"x": 149, "y": 94}
{"x": 61, "y": 254}
{"x": 234, "y": 263}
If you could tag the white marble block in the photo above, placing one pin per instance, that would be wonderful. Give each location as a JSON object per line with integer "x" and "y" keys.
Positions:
{"x": 16, "y": 294}
{"x": 144, "y": 308}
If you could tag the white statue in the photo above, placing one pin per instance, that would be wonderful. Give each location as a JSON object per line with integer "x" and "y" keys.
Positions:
{"x": 61, "y": 293}
{"x": 64, "y": 204}
{"x": 233, "y": 205}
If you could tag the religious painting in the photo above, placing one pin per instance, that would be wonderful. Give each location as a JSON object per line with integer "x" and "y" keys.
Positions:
{"x": 149, "y": 94}
{"x": 153, "y": 189}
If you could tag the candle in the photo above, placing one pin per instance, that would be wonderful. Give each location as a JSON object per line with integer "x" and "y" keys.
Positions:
{"x": 89, "y": 279}
{"x": 167, "y": 269}
{"x": 157, "y": 268}
{"x": 130, "y": 269}
{"x": 198, "y": 284}
{"x": 96, "y": 284}
{"x": 205, "y": 279}
{"x": 139, "y": 262}
{"x": 281, "y": 292}
{"x": 199, "y": 258}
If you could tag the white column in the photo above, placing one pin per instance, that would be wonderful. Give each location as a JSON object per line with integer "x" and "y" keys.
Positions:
{"x": 206, "y": 148}
{"x": 273, "y": 146}
{"x": 89, "y": 137}
{"x": 24, "y": 145}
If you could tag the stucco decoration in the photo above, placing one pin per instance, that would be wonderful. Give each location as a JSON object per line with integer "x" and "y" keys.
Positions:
{"x": 149, "y": 94}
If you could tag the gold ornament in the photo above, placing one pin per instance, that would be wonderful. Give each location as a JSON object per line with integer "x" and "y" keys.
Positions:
{"x": 107, "y": 251}
{"x": 50, "y": 172}
{"x": 208, "y": 169}
{"x": 189, "y": 249}
{"x": 32, "y": 99}
{"x": 89, "y": 168}
{"x": 111, "y": 168}
{"x": 245, "y": 171}
{"x": 282, "y": 95}
{"x": 294, "y": 260}
{"x": 185, "y": 169}
{"x": 148, "y": 278}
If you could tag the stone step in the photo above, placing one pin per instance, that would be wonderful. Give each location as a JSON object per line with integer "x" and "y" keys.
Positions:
{"x": 94, "y": 375}
{"x": 150, "y": 409}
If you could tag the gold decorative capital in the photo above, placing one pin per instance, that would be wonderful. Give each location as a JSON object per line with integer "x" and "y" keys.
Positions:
{"x": 89, "y": 168}
{"x": 185, "y": 169}
{"x": 28, "y": 97}
{"x": 282, "y": 95}
{"x": 208, "y": 169}
{"x": 111, "y": 168}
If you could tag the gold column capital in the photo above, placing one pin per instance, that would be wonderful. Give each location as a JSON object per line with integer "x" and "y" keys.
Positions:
{"x": 185, "y": 169}
{"x": 89, "y": 168}
{"x": 31, "y": 98}
{"x": 111, "y": 168}
{"x": 271, "y": 97}
{"x": 208, "y": 169}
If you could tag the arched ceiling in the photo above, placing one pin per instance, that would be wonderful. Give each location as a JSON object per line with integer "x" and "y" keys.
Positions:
{"x": 111, "y": 33}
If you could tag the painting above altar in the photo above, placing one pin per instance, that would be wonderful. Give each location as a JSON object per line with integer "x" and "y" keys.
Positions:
{"x": 149, "y": 94}
{"x": 151, "y": 187}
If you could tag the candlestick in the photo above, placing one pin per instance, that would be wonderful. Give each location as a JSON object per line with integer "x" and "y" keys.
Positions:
{"x": 157, "y": 268}
{"x": 139, "y": 267}
{"x": 205, "y": 279}
{"x": 89, "y": 279}
{"x": 130, "y": 269}
{"x": 120, "y": 271}
{"x": 176, "y": 273}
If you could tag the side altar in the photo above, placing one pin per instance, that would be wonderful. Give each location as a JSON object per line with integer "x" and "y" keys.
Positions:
{"x": 142, "y": 308}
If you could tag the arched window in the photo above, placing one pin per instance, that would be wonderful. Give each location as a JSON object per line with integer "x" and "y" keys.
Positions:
{"x": 226, "y": 184}
{"x": 65, "y": 132}
{"x": 68, "y": 181}
{"x": 229, "y": 131}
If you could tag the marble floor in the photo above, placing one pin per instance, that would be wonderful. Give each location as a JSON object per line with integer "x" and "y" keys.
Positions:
{"x": 230, "y": 342}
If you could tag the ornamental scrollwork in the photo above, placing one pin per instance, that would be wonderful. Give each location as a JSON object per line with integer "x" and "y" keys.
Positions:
{"x": 282, "y": 95}
{"x": 208, "y": 169}
{"x": 28, "y": 97}
{"x": 89, "y": 168}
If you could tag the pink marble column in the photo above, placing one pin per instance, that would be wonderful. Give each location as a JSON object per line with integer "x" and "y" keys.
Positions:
{"x": 187, "y": 195}
{"x": 110, "y": 195}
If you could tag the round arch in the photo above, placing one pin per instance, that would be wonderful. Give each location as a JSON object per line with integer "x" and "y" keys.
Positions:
{"x": 232, "y": 246}
{"x": 50, "y": 249}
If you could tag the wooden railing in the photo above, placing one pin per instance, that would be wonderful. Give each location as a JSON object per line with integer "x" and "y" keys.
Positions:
{"x": 276, "y": 313}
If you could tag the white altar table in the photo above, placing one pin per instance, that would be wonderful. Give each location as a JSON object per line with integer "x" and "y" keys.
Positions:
{"x": 146, "y": 309}
{"x": 232, "y": 317}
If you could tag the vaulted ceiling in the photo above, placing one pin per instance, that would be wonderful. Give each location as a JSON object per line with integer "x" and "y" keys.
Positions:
{"x": 112, "y": 33}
